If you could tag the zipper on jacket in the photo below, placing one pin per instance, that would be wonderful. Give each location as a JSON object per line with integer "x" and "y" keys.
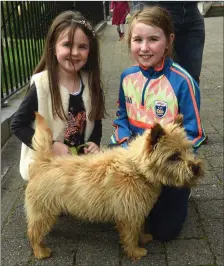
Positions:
{"x": 143, "y": 93}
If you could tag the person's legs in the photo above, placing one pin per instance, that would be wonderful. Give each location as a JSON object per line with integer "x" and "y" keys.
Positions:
{"x": 119, "y": 30}
{"x": 122, "y": 31}
{"x": 189, "y": 46}
{"x": 192, "y": 49}
{"x": 188, "y": 49}
{"x": 169, "y": 213}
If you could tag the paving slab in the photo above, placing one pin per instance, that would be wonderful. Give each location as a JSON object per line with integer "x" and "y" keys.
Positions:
{"x": 189, "y": 252}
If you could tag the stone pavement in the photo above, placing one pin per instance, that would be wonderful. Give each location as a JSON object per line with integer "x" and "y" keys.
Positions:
{"x": 84, "y": 244}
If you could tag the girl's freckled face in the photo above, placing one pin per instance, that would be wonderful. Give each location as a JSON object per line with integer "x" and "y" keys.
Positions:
{"x": 148, "y": 45}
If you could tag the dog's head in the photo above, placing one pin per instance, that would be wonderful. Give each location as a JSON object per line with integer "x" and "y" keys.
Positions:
{"x": 164, "y": 154}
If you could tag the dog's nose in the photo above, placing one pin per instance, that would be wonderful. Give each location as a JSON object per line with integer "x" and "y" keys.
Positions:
{"x": 195, "y": 168}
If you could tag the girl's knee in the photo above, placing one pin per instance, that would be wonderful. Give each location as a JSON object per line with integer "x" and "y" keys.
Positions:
{"x": 165, "y": 228}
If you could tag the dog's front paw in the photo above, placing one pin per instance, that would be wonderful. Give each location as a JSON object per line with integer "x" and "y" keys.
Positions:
{"x": 145, "y": 239}
{"x": 137, "y": 253}
{"x": 42, "y": 253}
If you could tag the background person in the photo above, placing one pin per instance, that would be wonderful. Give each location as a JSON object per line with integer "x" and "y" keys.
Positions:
{"x": 120, "y": 9}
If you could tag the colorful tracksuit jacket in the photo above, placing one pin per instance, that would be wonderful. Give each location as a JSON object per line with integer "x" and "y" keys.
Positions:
{"x": 151, "y": 95}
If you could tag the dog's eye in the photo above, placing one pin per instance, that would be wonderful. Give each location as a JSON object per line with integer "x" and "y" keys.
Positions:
{"x": 174, "y": 157}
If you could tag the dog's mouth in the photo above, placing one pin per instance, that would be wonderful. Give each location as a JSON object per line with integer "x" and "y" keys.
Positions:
{"x": 191, "y": 176}
{"x": 196, "y": 169}
{"x": 196, "y": 172}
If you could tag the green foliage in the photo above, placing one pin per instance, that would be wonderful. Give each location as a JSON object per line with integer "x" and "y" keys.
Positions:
{"x": 27, "y": 63}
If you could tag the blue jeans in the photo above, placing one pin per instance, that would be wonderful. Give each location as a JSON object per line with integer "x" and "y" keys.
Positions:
{"x": 189, "y": 33}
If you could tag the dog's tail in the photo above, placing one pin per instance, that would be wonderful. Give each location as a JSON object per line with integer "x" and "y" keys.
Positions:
{"x": 42, "y": 139}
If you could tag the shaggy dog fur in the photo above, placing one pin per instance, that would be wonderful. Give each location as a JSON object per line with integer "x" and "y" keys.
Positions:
{"x": 117, "y": 185}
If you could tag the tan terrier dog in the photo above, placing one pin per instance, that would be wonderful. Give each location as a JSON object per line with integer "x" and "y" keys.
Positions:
{"x": 115, "y": 185}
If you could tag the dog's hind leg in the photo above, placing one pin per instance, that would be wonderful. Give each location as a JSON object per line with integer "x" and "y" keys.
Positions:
{"x": 38, "y": 226}
{"x": 129, "y": 236}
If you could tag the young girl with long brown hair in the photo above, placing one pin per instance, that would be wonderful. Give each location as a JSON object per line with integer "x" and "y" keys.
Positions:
{"x": 65, "y": 89}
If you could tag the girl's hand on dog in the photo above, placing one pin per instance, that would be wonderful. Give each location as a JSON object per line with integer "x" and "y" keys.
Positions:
{"x": 60, "y": 149}
{"x": 92, "y": 148}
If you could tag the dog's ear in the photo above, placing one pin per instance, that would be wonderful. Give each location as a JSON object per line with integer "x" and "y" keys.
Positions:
{"x": 156, "y": 133}
{"x": 179, "y": 120}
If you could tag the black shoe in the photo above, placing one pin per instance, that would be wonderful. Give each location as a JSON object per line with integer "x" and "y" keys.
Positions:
{"x": 205, "y": 142}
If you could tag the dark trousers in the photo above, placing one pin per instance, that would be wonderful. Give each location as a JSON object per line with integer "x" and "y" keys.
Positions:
{"x": 189, "y": 36}
{"x": 169, "y": 213}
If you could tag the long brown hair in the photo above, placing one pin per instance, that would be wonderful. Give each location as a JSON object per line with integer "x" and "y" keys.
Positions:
{"x": 48, "y": 61}
{"x": 154, "y": 16}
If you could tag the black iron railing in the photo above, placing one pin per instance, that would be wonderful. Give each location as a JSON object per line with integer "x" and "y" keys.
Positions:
{"x": 24, "y": 25}
{"x": 23, "y": 29}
